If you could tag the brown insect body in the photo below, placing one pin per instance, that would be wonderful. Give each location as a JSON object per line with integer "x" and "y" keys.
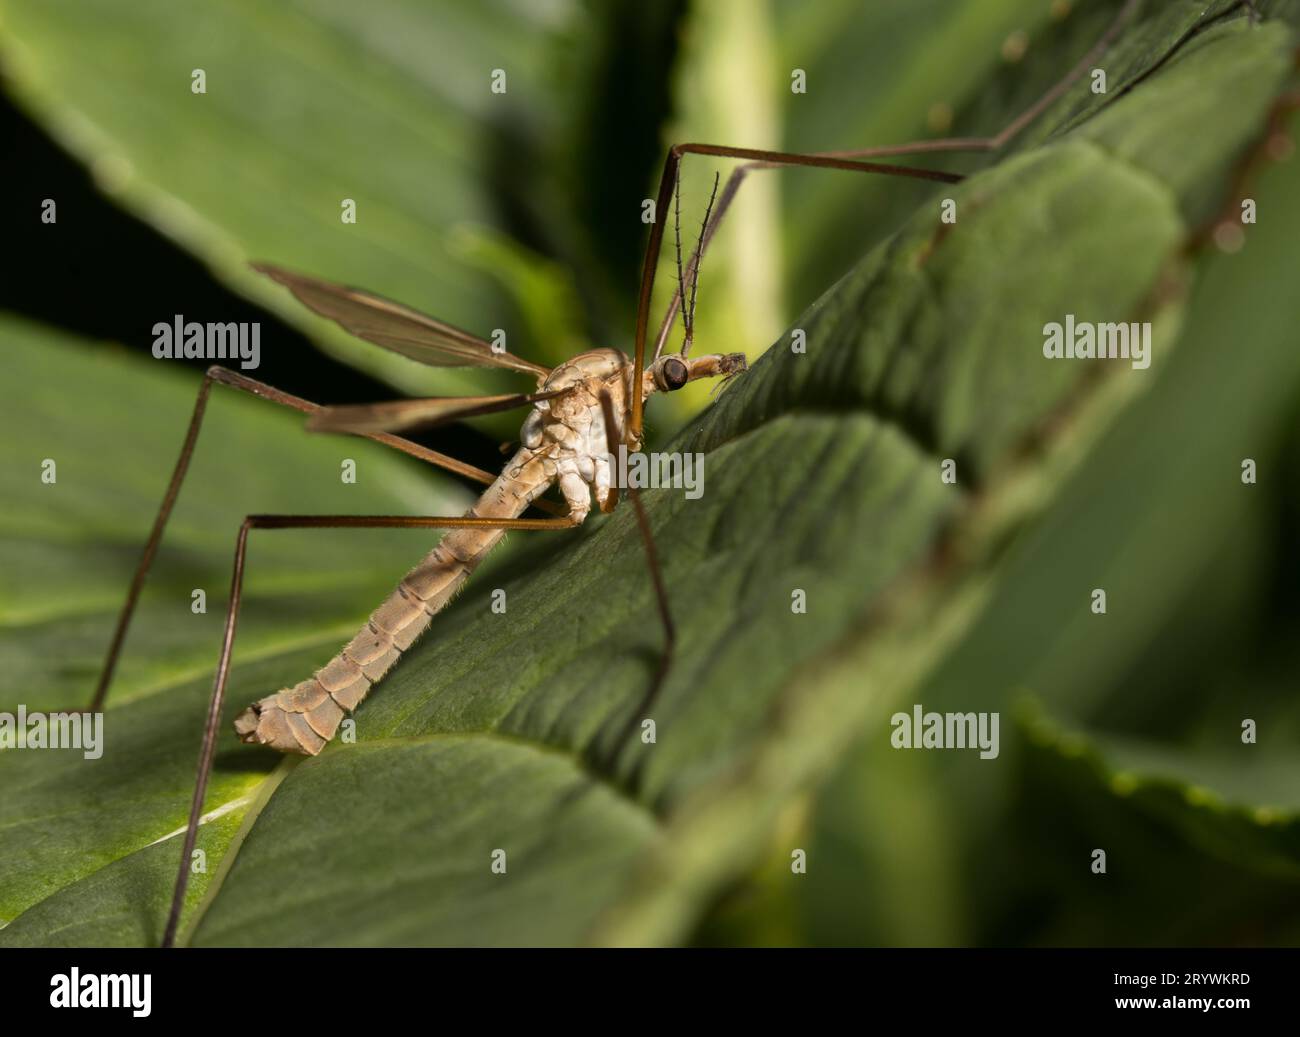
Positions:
{"x": 565, "y": 443}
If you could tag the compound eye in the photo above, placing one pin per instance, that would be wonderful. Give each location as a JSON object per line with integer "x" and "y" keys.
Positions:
{"x": 675, "y": 373}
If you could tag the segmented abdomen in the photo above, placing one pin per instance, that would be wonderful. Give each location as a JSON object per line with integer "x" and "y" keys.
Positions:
{"x": 303, "y": 718}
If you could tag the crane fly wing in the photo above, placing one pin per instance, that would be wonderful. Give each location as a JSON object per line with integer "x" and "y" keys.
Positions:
{"x": 395, "y": 415}
{"x": 397, "y": 327}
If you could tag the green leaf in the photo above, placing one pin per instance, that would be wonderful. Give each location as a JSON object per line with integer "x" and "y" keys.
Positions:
{"x": 112, "y": 426}
{"x": 111, "y": 907}
{"x": 1240, "y": 803}
{"x": 442, "y": 810}
{"x": 500, "y": 732}
{"x": 1193, "y": 856}
{"x": 1193, "y": 642}
{"x": 307, "y": 104}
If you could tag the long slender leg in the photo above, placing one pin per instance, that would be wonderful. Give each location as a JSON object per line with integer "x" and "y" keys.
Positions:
{"x": 656, "y": 578}
{"x": 213, "y": 721}
{"x": 262, "y": 391}
{"x": 946, "y": 144}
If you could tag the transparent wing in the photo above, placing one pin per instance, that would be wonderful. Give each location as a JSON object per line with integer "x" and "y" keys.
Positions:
{"x": 396, "y": 415}
{"x": 397, "y": 327}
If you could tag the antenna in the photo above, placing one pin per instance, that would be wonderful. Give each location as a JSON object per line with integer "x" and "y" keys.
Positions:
{"x": 687, "y": 318}
{"x": 687, "y": 300}
{"x": 695, "y": 267}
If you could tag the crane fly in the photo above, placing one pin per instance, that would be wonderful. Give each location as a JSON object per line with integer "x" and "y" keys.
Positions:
{"x": 575, "y": 423}
{"x": 579, "y": 413}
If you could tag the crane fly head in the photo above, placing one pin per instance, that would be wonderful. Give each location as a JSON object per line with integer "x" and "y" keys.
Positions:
{"x": 669, "y": 373}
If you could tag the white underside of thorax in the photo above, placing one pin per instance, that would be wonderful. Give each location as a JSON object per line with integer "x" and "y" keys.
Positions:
{"x": 572, "y": 444}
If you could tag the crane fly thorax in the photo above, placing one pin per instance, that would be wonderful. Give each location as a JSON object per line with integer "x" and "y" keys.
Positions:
{"x": 572, "y": 424}
{"x": 566, "y": 433}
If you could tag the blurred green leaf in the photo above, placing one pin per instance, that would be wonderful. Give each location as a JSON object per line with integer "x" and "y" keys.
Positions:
{"x": 1192, "y": 643}
{"x": 1193, "y": 854}
{"x": 312, "y": 102}
{"x": 1239, "y": 787}
{"x": 923, "y": 70}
